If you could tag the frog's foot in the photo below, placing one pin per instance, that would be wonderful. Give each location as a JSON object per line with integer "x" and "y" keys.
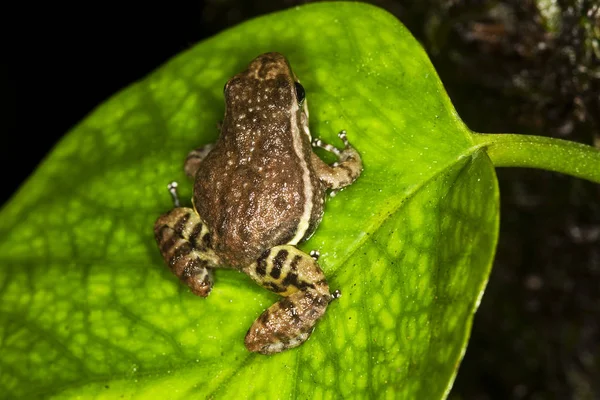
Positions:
{"x": 184, "y": 242}
{"x": 194, "y": 158}
{"x": 289, "y": 322}
{"x": 344, "y": 171}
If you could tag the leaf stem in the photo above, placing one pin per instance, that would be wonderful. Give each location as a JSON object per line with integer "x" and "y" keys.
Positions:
{"x": 571, "y": 158}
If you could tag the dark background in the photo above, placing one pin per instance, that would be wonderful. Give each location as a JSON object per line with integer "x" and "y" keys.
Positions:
{"x": 65, "y": 61}
{"x": 507, "y": 69}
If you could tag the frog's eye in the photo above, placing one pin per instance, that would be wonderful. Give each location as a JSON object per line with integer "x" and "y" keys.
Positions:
{"x": 300, "y": 94}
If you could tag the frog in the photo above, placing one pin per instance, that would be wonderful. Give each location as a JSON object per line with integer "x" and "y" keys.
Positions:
{"x": 258, "y": 192}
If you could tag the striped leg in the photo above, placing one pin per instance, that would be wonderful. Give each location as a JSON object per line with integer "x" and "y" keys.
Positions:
{"x": 289, "y": 322}
{"x": 184, "y": 242}
{"x": 194, "y": 158}
{"x": 343, "y": 172}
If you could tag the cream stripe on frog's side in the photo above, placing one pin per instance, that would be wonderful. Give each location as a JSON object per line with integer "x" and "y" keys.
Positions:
{"x": 305, "y": 125}
{"x": 308, "y": 190}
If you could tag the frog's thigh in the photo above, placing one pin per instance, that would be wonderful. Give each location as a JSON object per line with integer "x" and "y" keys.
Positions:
{"x": 194, "y": 158}
{"x": 341, "y": 173}
{"x": 289, "y": 322}
{"x": 183, "y": 242}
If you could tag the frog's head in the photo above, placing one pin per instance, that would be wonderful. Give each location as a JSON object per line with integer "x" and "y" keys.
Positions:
{"x": 267, "y": 90}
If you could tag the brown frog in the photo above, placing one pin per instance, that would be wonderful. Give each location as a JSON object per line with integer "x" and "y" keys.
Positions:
{"x": 258, "y": 192}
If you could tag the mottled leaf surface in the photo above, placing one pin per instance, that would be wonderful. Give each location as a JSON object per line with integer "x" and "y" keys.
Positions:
{"x": 88, "y": 308}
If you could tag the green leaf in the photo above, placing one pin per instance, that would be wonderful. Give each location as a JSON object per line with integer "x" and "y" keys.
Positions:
{"x": 88, "y": 308}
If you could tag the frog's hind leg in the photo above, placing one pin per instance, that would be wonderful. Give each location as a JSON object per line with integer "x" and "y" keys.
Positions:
{"x": 194, "y": 158}
{"x": 344, "y": 171}
{"x": 289, "y": 322}
{"x": 184, "y": 242}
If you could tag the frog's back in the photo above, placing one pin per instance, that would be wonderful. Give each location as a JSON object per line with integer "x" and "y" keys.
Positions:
{"x": 257, "y": 188}
{"x": 252, "y": 202}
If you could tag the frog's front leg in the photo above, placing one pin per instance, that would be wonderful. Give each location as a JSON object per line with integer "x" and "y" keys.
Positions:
{"x": 341, "y": 173}
{"x": 184, "y": 243}
{"x": 288, "y": 323}
{"x": 194, "y": 158}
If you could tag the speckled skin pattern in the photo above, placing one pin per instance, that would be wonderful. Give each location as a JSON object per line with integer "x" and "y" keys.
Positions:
{"x": 256, "y": 169}
{"x": 258, "y": 191}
